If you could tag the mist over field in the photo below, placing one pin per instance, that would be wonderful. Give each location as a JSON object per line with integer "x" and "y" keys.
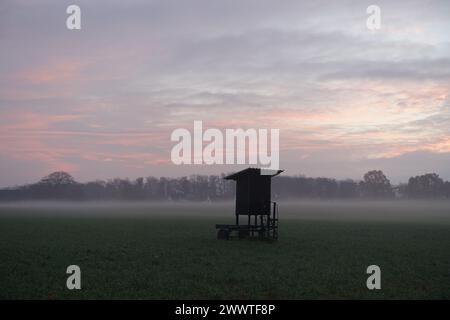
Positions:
{"x": 437, "y": 211}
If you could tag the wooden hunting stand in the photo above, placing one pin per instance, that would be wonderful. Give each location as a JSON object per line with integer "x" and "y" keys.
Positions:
{"x": 253, "y": 200}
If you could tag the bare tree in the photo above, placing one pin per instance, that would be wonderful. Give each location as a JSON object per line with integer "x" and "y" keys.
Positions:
{"x": 429, "y": 185}
{"x": 376, "y": 185}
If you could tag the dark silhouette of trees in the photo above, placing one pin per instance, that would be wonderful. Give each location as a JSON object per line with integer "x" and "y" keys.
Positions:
{"x": 348, "y": 189}
{"x": 57, "y": 185}
{"x": 447, "y": 189}
{"x": 325, "y": 188}
{"x": 62, "y": 186}
{"x": 429, "y": 185}
{"x": 58, "y": 178}
{"x": 376, "y": 185}
{"x": 95, "y": 190}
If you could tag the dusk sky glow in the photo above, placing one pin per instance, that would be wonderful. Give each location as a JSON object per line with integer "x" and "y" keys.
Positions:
{"x": 101, "y": 102}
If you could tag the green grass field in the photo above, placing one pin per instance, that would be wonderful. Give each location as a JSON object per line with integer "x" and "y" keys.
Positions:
{"x": 137, "y": 251}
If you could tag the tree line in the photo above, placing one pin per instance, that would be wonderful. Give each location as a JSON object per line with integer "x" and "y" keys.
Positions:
{"x": 374, "y": 185}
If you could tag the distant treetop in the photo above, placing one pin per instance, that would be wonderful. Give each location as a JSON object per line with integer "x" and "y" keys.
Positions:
{"x": 58, "y": 178}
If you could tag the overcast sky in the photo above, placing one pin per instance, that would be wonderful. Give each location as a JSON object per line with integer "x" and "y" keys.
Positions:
{"x": 101, "y": 102}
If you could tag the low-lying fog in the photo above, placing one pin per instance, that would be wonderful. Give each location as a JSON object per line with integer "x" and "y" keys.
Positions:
{"x": 397, "y": 210}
